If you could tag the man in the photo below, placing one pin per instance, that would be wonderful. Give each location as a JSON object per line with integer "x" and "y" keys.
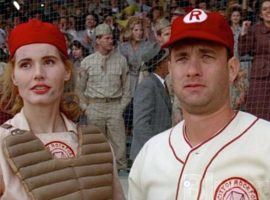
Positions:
{"x": 105, "y": 86}
{"x": 151, "y": 100}
{"x": 215, "y": 152}
{"x": 87, "y": 36}
{"x": 162, "y": 30}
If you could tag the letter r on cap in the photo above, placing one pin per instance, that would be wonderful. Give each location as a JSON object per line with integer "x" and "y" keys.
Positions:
{"x": 195, "y": 16}
{"x": 195, "y": 13}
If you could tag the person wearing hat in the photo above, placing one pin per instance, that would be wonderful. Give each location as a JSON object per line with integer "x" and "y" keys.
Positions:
{"x": 104, "y": 85}
{"x": 177, "y": 12}
{"x": 43, "y": 153}
{"x": 215, "y": 152}
{"x": 162, "y": 30}
{"x": 151, "y": 100}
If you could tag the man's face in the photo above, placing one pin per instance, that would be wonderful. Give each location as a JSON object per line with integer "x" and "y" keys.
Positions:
{"x": 106, "y": 42}
{"x": 200, "y": 75}
{"x": 90, "y": 21}
{"x": 165, "y": 35}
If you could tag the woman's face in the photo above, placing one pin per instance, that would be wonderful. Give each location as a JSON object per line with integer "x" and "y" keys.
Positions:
{"x": 39, "y": 74}
{"x": 265, "y": 11}
{"x": 76, "y": 52}
{"x": 235, "y": 17}
{"x": 156, "y": 14}
{"x": 137, "y": 32}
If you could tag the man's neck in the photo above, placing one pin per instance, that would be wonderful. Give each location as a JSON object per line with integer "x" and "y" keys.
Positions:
{"x": 200, "y": 128}
{"x": 104, "y": 52}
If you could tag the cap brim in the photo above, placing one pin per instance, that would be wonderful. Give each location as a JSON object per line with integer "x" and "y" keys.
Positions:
{"x": 194, "y": 34}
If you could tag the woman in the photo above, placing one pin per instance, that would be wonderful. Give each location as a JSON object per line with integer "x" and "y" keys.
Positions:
{"x": 133, "y": 47}
{"x": 78, "y": 53}
{"x": 238, "y": 90}
{"x": 235, "y": 23}
{"x": 254, "y": 40}
{"x": 43, "y": 154}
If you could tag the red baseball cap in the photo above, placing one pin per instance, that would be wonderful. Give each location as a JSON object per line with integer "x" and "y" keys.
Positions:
{"x": 36, "y": 31}
{"x": 198, "y": 24}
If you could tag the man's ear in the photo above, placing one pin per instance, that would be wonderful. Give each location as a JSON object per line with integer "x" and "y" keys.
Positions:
{"x": 233, "y": 66}
{"x": 169, "y": 67}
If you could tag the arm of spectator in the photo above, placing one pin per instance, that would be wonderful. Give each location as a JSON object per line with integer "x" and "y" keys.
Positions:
{"x": 245, "y": 44}
{"x": 81, "y": 83}
{"x": 126, "y": 94}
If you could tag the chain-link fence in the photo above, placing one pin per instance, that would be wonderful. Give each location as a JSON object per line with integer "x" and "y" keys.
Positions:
{"x": 110, "y": 82}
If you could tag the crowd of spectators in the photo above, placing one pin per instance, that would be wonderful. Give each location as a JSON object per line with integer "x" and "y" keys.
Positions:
{"x": 134, "y": 24}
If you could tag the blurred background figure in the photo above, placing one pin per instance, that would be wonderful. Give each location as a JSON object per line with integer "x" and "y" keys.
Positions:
{"x": 254, "y": 40}
{"x": 104, "y": 87}
{"x": 78, "y": 53}
{"x": 162, "y": 30}
{"x": 151, "y": 100}
{"x": 133, "y": 47}
{"x": 87, "y": 36}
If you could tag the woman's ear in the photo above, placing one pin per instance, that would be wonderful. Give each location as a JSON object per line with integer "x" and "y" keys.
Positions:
{"x": 234, "y": 66}
{"x": 14, "y": 79}
{"x": 67, "y": 75}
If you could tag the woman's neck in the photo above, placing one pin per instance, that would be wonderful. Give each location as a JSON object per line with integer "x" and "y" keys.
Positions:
{"x": 135, "y": 44}
{"x": 44, "y": 120}
{"x": 267, "y": 23}
{"x": 235, "y": 26}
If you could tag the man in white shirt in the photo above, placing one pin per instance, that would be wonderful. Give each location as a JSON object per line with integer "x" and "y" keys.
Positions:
{"x": 215, "y": 152}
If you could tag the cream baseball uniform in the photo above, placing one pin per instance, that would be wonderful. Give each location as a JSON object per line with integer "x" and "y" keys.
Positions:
{"x": 60, "y": 144}
{"x": 232, "y": 165}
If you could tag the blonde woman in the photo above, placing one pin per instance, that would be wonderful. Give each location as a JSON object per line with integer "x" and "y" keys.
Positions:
{"x": 43, "y": 153}
{"x": 133, "y": 47}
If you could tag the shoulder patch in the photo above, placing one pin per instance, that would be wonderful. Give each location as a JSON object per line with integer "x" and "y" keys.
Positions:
{"x": 235, "y": 188}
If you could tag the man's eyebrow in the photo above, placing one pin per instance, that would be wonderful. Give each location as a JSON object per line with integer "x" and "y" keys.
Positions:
{"x": 207, "y": 50}
{"x": 181, "y": 53}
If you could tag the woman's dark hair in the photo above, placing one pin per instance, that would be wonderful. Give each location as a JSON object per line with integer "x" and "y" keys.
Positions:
{"x": 79, "y": 45}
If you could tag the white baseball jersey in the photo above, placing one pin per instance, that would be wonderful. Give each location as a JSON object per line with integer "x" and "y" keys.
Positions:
{"x": 232, "y": 165}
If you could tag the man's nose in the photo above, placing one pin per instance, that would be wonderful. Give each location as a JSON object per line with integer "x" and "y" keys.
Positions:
{"x": 194, "y": 68}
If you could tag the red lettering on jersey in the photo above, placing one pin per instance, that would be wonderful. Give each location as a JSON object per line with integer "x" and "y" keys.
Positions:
{"x": 195, "y": 13}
